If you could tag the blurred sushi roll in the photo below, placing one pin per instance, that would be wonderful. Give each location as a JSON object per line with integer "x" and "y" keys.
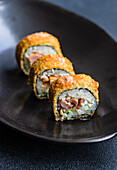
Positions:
{"x": 42, "y": 71}
{"x": 74, "y": 97}
{"x": 34, "y": 46}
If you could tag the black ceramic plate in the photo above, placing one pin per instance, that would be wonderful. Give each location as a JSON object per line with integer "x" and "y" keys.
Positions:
{"x": 90, "y": 49}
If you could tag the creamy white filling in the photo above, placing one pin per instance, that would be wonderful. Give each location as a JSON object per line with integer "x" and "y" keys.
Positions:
{"x": 55, "y": 72}
{"x": 88, "y": 106}
{"x": 42, "y": 49}
{"x": 52, "y": 72}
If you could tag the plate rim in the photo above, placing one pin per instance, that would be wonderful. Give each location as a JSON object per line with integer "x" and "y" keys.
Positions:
{"x": 70, "y": 141}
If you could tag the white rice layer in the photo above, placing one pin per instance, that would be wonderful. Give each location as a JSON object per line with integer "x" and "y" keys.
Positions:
{"x": 52, "y": 72}
{"x": 88, "y": 106}
{"x": 42, "y": 49}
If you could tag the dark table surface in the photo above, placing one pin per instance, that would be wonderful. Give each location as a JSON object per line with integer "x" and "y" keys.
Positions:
{"x": 22, "y": 152}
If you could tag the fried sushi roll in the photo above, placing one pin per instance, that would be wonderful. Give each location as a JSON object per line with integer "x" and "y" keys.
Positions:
{"x": 74, "y": 97}
{"x": 43, "y": 68}
{"x": 30, "y": 48}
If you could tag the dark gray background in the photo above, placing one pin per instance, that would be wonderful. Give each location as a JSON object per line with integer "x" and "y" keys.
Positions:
{"x": 21, "y": 152}
{"x": 101, "y": 12}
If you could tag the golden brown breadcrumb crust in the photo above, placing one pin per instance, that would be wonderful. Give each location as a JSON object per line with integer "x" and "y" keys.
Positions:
{"x": 41, "y": 38}
{"x": 71, "y": 82}
{"x": 48, "y": 62}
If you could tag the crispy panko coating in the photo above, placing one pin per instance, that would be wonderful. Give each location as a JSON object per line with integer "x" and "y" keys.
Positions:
{"x": 40, "y": 38}
{"x": 71, "y": 82}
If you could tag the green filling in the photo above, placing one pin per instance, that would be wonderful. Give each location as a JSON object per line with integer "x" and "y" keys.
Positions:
{"x": 43, "y": 93}
{"x": 71, "y": 110}
{"x": 86, "y": 107}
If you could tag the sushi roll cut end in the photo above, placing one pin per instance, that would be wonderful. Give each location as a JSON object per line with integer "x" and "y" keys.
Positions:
{"x": 34, "y": 46}
{"x": 45, "y": 70}
{"x": 74, "y": 97}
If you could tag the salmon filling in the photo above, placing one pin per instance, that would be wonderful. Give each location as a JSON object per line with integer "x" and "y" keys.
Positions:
{"x": 35, "y": 52}
{"x": 76, "y": 102}
{"x": 44, "y": 80}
